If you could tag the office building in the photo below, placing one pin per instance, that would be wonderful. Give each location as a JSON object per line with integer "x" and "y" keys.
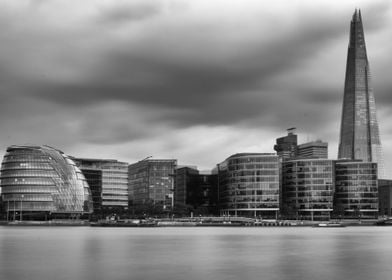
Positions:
{"x": 356, "y": 189}
{"x": 286, "y": 146}
{"x": 314, "y": 149}
{"x": 359, "y": 132}
{"x": 197, "y": 192}
{"x": 385, "y": 197}
{"x": 307, "y": 189}
{"x": 151, "y": 181}
{"x": 40, "y": 182}
{"x": 108, "y": 181}
{"x": 249, "y": 185}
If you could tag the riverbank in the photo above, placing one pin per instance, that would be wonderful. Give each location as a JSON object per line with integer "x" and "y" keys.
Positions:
{"x": 199, "y": 222}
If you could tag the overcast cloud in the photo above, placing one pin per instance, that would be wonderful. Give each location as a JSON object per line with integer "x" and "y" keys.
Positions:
{"x": 192, "y": 80}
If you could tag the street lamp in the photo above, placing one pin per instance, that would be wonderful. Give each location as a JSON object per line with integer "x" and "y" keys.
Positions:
{"x": 8, "y": 210}
{"x": 14, "y": 209}
{"x": 21, "y": 206}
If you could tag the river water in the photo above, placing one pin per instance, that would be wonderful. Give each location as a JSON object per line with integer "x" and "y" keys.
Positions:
{"x": 40, "y": 253}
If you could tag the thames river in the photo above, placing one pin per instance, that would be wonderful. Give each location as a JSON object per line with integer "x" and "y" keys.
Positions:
{"x": 40, "y": 253}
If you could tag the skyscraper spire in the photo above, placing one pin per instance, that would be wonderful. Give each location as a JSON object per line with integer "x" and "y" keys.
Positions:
{"x": 359, "y": 132}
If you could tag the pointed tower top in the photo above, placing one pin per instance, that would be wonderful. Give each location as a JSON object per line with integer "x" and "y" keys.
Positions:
{"x": 357, "y": 15}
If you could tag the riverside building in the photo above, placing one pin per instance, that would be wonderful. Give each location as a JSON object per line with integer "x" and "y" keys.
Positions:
{"x": 385, "y": 197}
{"x": 356, "y": 193}
{"x": 108, "y": 181}
{"x": 307, "y": 189}
{"x": 249, "y": 185}
{"x": 151, "y": 183}
{"x": 39, "y": 182}
{"x": 196, "y": 190}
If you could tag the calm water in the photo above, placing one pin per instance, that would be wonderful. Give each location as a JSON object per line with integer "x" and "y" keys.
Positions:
{"x": 40, "y": 253}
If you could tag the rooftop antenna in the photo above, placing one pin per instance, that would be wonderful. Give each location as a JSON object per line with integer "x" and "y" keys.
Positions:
{"x": 291, "y": 130}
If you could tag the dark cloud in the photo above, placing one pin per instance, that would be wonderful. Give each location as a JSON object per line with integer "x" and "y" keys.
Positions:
{"x": 128, "y": 12}
{"x": 135, "y": 72}
{"x": 208, "y": 87}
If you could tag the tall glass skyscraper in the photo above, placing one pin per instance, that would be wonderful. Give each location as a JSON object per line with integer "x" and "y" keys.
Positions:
{"x": 359, "y": 134}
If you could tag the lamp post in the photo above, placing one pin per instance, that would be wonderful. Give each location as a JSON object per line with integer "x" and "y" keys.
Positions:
{"x": 21, "y": 207}
{"x": 14, "y": 210}
{"x": 8, "y": 210}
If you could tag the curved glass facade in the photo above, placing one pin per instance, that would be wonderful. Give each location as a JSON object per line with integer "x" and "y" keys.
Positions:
{"x": 42, "y": 179}
{"x": 249, "y": 185}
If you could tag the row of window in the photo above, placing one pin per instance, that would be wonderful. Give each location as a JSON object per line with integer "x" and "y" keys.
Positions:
{"x": 247, "y": 206}
{"x": 253, "y": 179}
{"x": 28, "y": 189}
{"x": 253, "y": 159}
{"x": 27, "y": 173}
{"x": 29, "y": 206}
{"x": 25, "y": 165}
{"x": 357, "y": 177}
{"x": 27, "y": 197}
{"x": 254, "y": 173}
{"x": 123, "y": 193}
{"x": 319, "y": 169}
{"x": 273, "y": 166}
{"x": 115, "y": 197}
{"x": 26, "y": 160}
{"x": 28, "y": 181}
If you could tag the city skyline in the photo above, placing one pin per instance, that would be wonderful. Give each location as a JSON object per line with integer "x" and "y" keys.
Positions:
{"x": 178, "y": 79}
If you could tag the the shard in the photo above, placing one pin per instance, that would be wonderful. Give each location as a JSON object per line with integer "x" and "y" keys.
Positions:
{"x": 359, "y": 132}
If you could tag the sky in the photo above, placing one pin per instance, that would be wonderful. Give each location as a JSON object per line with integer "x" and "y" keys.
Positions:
{"x": 196, "y": 81}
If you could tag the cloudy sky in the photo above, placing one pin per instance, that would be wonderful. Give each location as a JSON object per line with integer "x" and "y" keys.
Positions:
{"x": 192, "y": 80}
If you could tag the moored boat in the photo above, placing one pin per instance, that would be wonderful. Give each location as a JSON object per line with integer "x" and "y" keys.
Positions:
{"x": 386, "y": 222}
{"x": 329, "y": 225}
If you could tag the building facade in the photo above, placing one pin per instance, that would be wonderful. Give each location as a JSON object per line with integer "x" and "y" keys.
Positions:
{"x": 39, "y": 182}
{"x": 151, "y": 182}
{"x": 307, "y": 189}
{"x": 286, "y": 146}
{"x": 314, "y": 149}
{"x": 108, "y": 181}
{"x": 356, "y": 189}
{"x": 197, "y": 191}
{"x": 385, "y": 197}
{"x": 359, "y": 132}
{"x": 249, "y": 185}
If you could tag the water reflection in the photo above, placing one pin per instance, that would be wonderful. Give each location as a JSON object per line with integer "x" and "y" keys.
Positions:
{"x": 194, "y": 253}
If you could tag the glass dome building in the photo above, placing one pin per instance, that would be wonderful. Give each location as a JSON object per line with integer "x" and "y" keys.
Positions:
{"x": 37, "y": 181}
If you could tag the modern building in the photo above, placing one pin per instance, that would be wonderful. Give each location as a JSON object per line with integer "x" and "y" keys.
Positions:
{"x": 356, "y": 189}
{"x": 151, "y": 182}
{"x": 314, "y": 149}
{"x": 108, "y": 181}
{"x": 249, "y": 185}
{"x": 40, "y": 182}
{"x": 307, "y": 189}
{"x": 185, "y": 182}
{"x": 286, "y": 147}
{"x": 359, "y": 132}
{"x": 196, "y": 191}
{"x": 385, "y": 197}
